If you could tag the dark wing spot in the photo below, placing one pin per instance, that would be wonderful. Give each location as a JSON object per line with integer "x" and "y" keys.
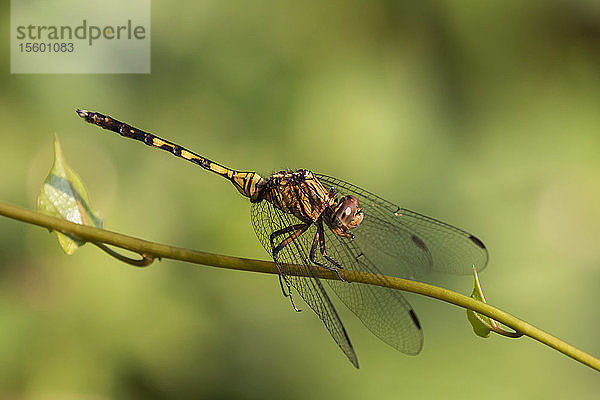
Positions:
{"x": 414, "y": 318}
{"x": 419, "y": 242}
{"x": 477, "y": 242}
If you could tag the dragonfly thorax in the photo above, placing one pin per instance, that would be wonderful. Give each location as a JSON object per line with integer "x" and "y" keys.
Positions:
{"x": 298, "y": 193}
{"x": 301, "y": 194}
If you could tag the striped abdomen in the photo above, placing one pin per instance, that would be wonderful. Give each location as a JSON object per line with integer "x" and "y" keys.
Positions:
{"x": 247, "y": 183}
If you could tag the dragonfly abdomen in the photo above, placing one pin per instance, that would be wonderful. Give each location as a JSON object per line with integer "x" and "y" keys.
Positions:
{"x": 247, "y": 183}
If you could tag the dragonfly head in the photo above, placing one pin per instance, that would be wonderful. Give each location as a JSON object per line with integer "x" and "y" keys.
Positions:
{"x": 347, "y": 214}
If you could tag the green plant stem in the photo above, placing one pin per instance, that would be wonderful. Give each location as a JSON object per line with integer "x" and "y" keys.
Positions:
{"x": 150, "y": 250}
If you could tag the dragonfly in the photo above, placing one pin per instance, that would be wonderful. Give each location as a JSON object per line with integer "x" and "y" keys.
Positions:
{"x": 307, "y": 220}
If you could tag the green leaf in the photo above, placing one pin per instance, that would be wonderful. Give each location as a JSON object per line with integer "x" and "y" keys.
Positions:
{"x": 63, "y": 195}
{"x": 482, "y": 325}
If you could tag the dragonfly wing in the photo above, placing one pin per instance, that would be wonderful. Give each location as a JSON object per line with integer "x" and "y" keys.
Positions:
{"x": 267, "y": 219}
{"x": 383, "y": 310}
{"x": 407, "y": 244}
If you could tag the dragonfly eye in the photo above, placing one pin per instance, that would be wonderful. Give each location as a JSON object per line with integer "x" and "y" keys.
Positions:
{"x": 347, "y": 215}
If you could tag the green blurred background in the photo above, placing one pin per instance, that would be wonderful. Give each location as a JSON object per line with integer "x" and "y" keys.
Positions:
{"x": 485, "y": 115}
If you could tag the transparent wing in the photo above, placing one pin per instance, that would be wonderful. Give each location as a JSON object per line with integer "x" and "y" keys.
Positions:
{"x": 267, "y": 219}
{"x": 384, "y": 311}
{"x": 407, "y": 244}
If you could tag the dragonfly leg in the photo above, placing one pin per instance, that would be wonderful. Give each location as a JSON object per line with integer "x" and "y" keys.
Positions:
{"x": 290, "y": 294}
{"x": 285, "y": 294}
{"x": 282, "y": 279}
{"x": 319, "y": 240}
{"x": 322, "y": 247}
{"x": 298, "y": 229}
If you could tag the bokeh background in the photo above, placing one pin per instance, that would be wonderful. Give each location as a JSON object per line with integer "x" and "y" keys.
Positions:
{"x": 485, "y": 115}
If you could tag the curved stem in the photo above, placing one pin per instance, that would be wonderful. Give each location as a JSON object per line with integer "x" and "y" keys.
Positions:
{"x": 143, "y": 262}
{"x": 150, "y": 250}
